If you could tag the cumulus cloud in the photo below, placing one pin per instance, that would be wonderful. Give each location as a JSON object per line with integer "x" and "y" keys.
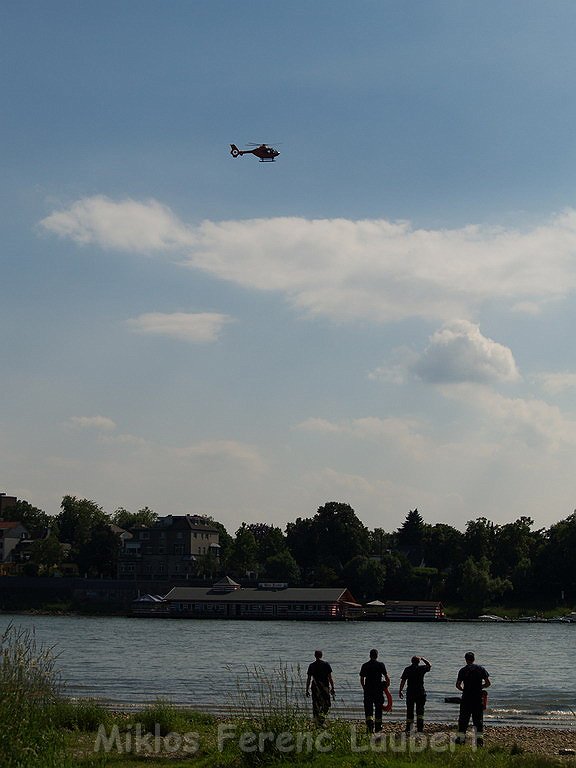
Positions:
{"x": 199, "y": 327}
{"x": 99, "y": 423}
{"x": 346, "y": 270}
{"x": 127, "y": 225}
{"x": 459, "y": 352}
{"x": 554, "y": 383}
{"x": 530, "y": 421}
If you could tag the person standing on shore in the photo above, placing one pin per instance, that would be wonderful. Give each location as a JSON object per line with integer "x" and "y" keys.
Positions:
{"x": 415, "y": 691}
{"x": 371, "y": 674}
{"x": 321, "y": 682}
{"x": 472, "y": 680}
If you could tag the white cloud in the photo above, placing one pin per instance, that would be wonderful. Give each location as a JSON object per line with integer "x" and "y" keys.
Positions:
{"x": 394, "y": 371}
{"x": 345, "y": 270}
{"x": 200, "y": 327}
{"x": 99, "y": 423}
{"x": 459, "y": 352}
{"x": 554, "y": 383}
{"x": 222, "y": 451}
{"x": 128, "y": 225}
{"x": 529, "y": 421}
{"x": 402, "y": 433}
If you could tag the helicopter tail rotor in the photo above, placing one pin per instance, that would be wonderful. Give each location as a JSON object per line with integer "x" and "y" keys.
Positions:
{"x": 234, "y": 151}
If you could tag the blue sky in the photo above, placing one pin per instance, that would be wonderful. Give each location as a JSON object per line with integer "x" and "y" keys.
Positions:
{"x": 382, "y": 317}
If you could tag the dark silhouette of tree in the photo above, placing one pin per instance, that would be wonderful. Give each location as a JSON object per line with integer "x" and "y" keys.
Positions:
{"x": 301, "y": 540}
{"x": 557, "y": 560}
{"x": 47, "y": 553}
{"x": 282, "y": 568}
{"x": 226, "y": 543}
{"x": 381, "y": 542}
{"x": 77, "y": 520}
{"x": 479, "y": 538}
{"x": 364, "y": 577}
{"x": 443, "y": 546}
{"x": 411, "y": 532}
{"x": 270, "y": 540}
{"x": 125, "y": 519}
{"x": 98, "y": 556}
{"x": 36, "y": 521}
{"x": 244, "y": 555}
{"x": 478, "y": 588}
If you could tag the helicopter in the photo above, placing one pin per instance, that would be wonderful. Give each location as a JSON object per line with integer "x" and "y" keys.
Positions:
{"x": 265, "y": 153}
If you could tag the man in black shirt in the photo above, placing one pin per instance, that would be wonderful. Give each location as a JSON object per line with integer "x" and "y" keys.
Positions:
{"x": 415, "y": 692}
{"x": 371, "y": 674}
{"x": 472, "y": 679}
{"x": 320, "y": 679}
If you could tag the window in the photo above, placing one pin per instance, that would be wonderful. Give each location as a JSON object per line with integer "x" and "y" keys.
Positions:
{"x": 144, "y": 535}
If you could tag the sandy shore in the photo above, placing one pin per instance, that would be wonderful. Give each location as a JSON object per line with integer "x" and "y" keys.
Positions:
{"x": 541, "y": 741}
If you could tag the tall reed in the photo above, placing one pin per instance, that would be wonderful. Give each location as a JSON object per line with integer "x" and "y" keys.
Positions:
{"x": 30, "y": 687}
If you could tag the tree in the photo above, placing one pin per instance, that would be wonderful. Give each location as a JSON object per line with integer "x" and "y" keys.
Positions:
{"x": 125, "y": 519}
{"x": 47, "y": 553}
{"x": 364, "y": 577}
{"x": 328, "y": 540}
{"x": 98, "y": 556}
{"x": 269, "y": 539}
{"x": 78, "y": 519}
{"x": 243, "y": 557}
{"x": 411, "y": 532}
{"x": 301, "y": 540}
{"x": 398, "y": 575}
{"x": 479, "y": 538}
{"x": 557, "y": 561}
{"x": 514, "y": 547}
{"x": 340, "y": 535}
{"x": 380, "y": 542}
{"x": 410, "y": 537}
{"x": 442, "y": 546}
{"x": 282, "y": 567}
{"x": 36, "y": 521}
{"x": 478, "y": 588}
{"x": 225, "y": 541}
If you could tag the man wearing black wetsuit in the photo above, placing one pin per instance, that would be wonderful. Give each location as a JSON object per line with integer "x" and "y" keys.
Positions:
{"x": 415, "y": 692}
{"x": 472, "y": 679}
{"x": 320, "y": 678}
{"x": 371, "y": 674}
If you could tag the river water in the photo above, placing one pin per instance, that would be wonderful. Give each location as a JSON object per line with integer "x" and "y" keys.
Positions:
{"x": 211, "y": 664}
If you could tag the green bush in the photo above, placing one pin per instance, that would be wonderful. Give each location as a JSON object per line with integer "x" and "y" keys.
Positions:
{"x": 162, "y": 718}
{"x": 84, "y": 715}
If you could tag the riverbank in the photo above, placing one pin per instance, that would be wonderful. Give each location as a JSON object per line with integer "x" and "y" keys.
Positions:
{"x": 520, "y": 738}
{"x": 239, "y": 742}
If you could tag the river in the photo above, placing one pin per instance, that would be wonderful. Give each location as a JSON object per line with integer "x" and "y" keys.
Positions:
{"x": 209, "y": 664}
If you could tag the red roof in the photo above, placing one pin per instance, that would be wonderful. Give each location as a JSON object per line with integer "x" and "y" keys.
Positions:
{"x": 6, "y": 525}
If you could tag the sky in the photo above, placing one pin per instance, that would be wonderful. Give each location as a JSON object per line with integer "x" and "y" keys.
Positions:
{"x": 382, "y": 317}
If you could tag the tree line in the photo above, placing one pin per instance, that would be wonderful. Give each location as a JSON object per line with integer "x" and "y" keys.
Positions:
{"x": 483, "y": 565}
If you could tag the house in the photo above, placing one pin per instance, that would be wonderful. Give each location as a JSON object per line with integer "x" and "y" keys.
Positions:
{"x": 11, "y": 534}
{"x": 172, "y": 548}
{"x": 227, "y": 599}
{"x": 7, "y": 505}
{"x": 414, "y": 610}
